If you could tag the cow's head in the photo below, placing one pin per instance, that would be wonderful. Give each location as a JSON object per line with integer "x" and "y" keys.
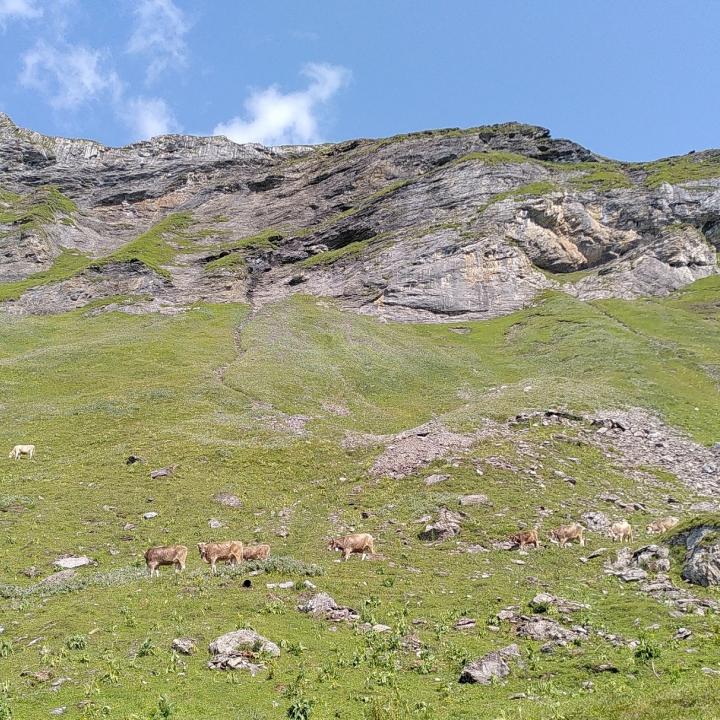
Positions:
{"x": 201, "y": 550}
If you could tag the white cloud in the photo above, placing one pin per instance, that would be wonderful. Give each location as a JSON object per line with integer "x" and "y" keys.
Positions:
{"x": 149, "y": 117}
{"x": 277, "y": 118}
{"x": 159, "y": 34}
{"x": 19, "y": 9}
{"x": 68, "y": 75}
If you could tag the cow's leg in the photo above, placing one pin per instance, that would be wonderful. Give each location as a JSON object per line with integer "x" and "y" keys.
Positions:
{"x": 347, "y": 555}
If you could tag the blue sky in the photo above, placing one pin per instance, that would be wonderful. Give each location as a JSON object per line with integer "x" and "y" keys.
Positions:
{"x": 631, "y": 79}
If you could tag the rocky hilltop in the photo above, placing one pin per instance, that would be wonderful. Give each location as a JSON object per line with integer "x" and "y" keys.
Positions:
{"x": 435, "y": 225}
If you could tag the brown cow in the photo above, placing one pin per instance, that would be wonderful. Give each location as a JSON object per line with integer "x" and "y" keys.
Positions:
{"x": 565, "y": 533}
{"x": 212, "y": 552}
{"x": 256, "y": 552}
{"x": 662, "y": 525}
{"x": 166, "y": 555}
{"x": 358, "y": 543}
{"x": 526, "y": 537}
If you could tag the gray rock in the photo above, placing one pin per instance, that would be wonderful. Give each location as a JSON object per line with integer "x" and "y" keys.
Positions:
{"x": 494, "y": 665}
{"x": 545, "y": 600}
{"x": 228, "y": 499}
{"x": 474, "y": 500}
{"x": 490, "y": 224}
{"x": 72, "y": 561}
{"x": 237, "y": 650}
{"x": 445, "y": 527}
{"x": 595, "y": 521}
{"x": 184, "y": 645}
{"x": 653, "y": 558}
{"x": 324, "y": 606}
{"x": 435, "y": 479}
{"x": 149, "y": 515}
{"x": 702, "y": 564}
{"x": 215, "y": 524}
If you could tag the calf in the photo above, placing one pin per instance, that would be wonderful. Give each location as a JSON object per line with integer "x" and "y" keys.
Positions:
{"x": 526, "y": 537}
{"x": 662, "y": 525}
{"x": 621, "y": 531}
{"x": 565, "y": 533}
{"x": 166, "y": 555}
{"x": 212, "y": 552}
{"x": 256, "y": 552}
{"x": 358, "y": 543}
{"x": 19, "y": 450}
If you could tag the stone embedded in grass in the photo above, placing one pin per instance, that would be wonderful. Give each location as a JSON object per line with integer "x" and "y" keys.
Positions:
{"x": 184, "y": 645}
{"x": 445, "y": 527}
{"x": 163, "y": 472}
{"x": 542, "y": 601}
{"x": 228, "y": 499}
{"x": 324, "y": 606}
{"x": 237, "y": 650}
{"x": 490, "y": 667}
{"x": 72, "y": 561}
{"x": 286, "y": 585}
{"x": 215, "y": 524}
{"x": 149, "y": 515}
{"x": 435, "y": 479}
{"x": 478, "y": 499}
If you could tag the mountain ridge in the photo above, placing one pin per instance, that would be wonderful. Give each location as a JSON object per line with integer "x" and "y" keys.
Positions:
{"x": 426, "y": 226}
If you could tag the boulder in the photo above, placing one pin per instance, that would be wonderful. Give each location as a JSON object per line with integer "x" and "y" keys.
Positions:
{"x": 488, "y": 667}
{"x": 544, "y": 600}
{"x": 239, "y": 649}
{"x": 595, "y": 521}
{"x": 184, "y": 645}
{"x": 324, "y": 606}
{"x": 653, "y": 558}
{"x": 445, "y": 527}
{"x": 72, "y": 561}
{"x": 702, "y": 564}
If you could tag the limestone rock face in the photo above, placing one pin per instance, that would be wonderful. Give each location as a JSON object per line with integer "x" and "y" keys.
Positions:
{"x": 431, "y": 226}
{"x": 702, "y": 557}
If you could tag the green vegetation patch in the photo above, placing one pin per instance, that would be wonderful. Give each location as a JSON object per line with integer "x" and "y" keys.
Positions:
{"x": 156, "y": 247}
{"x": 66, "y": 265}
{"x": 682, "y": 169}
{"x": 31, "y": 212}
{"x": 237, "y": 250}
{"x": 332, "y": 256}
{"x": 600, "y": 177}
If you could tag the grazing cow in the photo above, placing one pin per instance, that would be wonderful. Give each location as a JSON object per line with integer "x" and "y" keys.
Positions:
{"x": 19, "y": 450}
{"x": 565, "y": 533}
{"x": 526, "y": 537}
{"x": 212, "y": 552}
{"x": 166, "y": 555}
{"x": 358, "y": 543}
{"x": 256, "y": 552}
{"x": 662, "y": 525}
{"x": 621, "y": 531}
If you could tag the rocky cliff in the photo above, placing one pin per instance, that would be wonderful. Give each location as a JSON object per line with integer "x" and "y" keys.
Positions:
{"x": 435, "y": 225}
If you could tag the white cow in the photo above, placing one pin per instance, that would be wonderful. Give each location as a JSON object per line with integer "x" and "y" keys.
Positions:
{"x": 19, "y": 450}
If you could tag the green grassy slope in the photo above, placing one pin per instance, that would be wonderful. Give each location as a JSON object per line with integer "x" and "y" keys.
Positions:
{"x": 211, "y": 389}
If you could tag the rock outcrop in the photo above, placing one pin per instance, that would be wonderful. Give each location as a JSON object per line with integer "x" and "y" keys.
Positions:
{"x": 701, "y": 542}
{"x": 438, "y": 225}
